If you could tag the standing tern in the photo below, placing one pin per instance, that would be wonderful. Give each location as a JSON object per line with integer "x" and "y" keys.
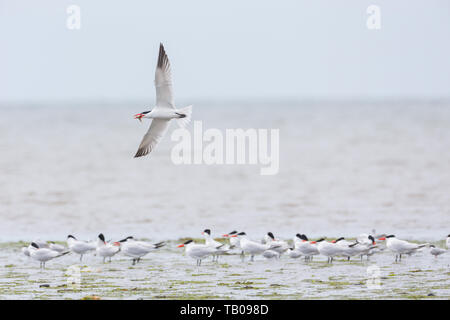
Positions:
{"x": 234, "y": 241}
{"x": 365, "y": 245}
{"x": 400, "y": 247}
{"x": 329, "y": 249}
{"x": 80, "y": 247}
{"x": 199, "y": 251}
{"x": 213, "y": 243}
{"x": 282, "y": 246}
{"x": 305, "y": 247}
{"x": 43, "y": 254}
{"x": 348, "y": 248}
{"x": 252, "y": 247}
{"x": 137, "y": 249}
{"x": 436, "y": 251}
{"x": 106, "y": 249}
{"x": 165, "y": 109}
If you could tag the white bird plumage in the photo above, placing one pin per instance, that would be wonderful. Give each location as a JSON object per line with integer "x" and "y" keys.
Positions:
{"x": 165, "y": 109}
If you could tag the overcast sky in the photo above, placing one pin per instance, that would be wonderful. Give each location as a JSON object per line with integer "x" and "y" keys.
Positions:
{"x": 225, "y": 49}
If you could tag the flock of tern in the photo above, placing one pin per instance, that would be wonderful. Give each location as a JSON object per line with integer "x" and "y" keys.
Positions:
{"x": 270, "y": 247}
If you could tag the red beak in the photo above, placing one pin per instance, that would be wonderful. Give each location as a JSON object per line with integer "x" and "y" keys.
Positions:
{"x": 138, "y": 116}
{"x": 225, "y": 235}
{"x": 181, "y": 245}
{"x": 313, "y": 242}
{"x": 334, "y": 241}
{"x": 116, "y": 243}
{"x": 383, "y": 238}
{"x": 233, "y": 236}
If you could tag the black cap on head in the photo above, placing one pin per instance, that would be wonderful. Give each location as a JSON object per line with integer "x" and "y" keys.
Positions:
{"x": 448, "y": 236}
{"x": 241, "y": 234}
{"x": 123, "y": 240}
{"x": 321, "y": 239}
{"x": 145, "y": 112}
{"x": 35, "y": 245}
{"x": 304, "y": 237}
{"x": 207, "y": 231}
{"x": 337, "y": 240}
{"x": 71, "y": 236}
{"x": 371, "y": 238}
{"x": 298, "y": 235}
{"x": 432, "y": 246}
{"x": 102, "y": 237}
{"x": 187, "y": 242}
{"x": 233, "y": 232}
{"x": 390, "y": 236}
{"x": 270, "y": 234}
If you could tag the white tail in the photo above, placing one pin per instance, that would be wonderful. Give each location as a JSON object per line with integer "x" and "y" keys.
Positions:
{"x": 187, "y": 111}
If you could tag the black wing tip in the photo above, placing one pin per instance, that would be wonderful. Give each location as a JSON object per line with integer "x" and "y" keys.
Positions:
{"x": 142, "y": 152}
{"x": 162, "y": 57}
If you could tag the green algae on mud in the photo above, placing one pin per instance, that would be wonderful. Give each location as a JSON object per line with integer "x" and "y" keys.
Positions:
{"x": 168, "y": 274}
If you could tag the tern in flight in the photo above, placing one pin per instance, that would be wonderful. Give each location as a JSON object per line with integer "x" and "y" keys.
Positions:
{"x": 165, "y": 109}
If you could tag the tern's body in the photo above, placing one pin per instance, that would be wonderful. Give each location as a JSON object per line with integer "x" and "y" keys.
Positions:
{"x": 43, "y": 254}
{"x": 252, "y": 247}
{"x": 165, "y": 109}
{"x": 348, "y": 249}
{"x": 105, "y": 249}
{"x": 80, "y": 247}
{"x": 400, "y": 247}
{"x": 137, "y": 249}
{"x": 436, "y": 251}
{"x": 365, "y": 245}
{"x": 224, "y": 248}
{"x": 305, "y": 247}
{"x": 294, "y": 253}
{"x": 329, "y": 249}
{"x": 234, "y": 241}
{"x": 277, "y": 245}
{"x": 271, "y": 254}
{"x": 200, "y": 251}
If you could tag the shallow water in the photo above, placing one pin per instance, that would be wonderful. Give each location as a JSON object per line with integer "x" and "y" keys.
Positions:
{"x": 345, "y": 168}
{"x": 169, "y": 274}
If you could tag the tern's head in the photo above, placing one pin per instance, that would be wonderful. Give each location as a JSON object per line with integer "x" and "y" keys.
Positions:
{"x": 270, "y": 235}
{"x": 372, "y": 239}
{"x": 71, "y": 237}
{"x": 387, "y": 237}
{"x": 206, "y": 231}
{"x": 34, "y": 245}
{"x": 238, "y": 234}
{"x": 337, "y": 240}
{"x": 226, "y": 235}
{"x": 101, "y": 237}
{"x": 184, "y": 244}
{"x": 126, "y": 239}
{"x": 139, "y": 116}
{"x": 320, "y": 240}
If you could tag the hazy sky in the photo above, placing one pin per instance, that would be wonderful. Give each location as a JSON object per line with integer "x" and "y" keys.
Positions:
{"x": 225, "y": 49}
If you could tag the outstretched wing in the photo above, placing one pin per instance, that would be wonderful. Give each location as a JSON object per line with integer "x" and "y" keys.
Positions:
{"x": 154, "y": 134}
{"x": 163, "y": 81}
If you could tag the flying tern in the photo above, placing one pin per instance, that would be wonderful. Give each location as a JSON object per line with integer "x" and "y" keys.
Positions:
{"x": 164, "y": 110}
